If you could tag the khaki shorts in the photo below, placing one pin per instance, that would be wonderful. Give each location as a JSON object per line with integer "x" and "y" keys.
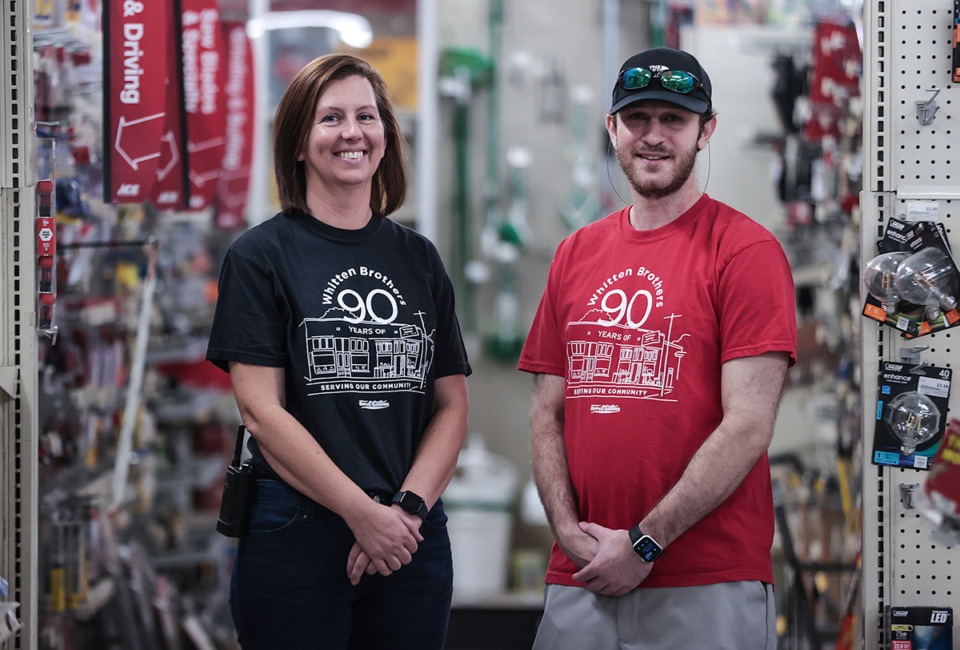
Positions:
{"x": 728, "y": 615}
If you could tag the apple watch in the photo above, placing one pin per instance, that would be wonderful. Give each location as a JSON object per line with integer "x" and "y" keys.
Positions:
{"x": 645, "y": 546}
{"x": 411, "y": 502}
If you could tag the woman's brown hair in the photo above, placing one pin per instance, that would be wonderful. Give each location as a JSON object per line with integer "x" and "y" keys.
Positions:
{"x": 294, "y": 119}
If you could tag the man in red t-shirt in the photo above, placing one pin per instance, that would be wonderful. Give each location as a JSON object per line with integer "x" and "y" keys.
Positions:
{"x": 659, "y": 351}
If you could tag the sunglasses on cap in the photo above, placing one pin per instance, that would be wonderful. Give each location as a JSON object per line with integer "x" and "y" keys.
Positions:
{"x": 675, "y": 81}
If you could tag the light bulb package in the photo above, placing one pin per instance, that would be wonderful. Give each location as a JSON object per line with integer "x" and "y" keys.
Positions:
{"x": 913, "y": 283}
{"x": 919, "y": 627}
{"x": 896, "y": 236}
{"x": 911, "y": 414}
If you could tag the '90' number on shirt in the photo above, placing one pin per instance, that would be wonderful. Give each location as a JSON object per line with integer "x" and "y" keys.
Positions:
{"x": 361, "y": 309}
{"x": 616, "y": 305}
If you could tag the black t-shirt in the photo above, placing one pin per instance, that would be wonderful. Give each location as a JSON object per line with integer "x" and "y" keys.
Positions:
{"x": 362, "y": 321}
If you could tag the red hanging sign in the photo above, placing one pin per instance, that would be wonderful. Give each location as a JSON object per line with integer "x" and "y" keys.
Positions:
{"x": 203, "y": 97}
{"x": 135, "y": 66}
{"x": 239, "y": 91}
{"x": 169, "y": 190}
{"x": 193, "y": 139}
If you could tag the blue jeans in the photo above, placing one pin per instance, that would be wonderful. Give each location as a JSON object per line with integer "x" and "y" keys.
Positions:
{"x": 289, "y": 589}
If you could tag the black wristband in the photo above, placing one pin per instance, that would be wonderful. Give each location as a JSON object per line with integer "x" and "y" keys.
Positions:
{"x": 411, "y": 502}
{"x": 645, "y": 546}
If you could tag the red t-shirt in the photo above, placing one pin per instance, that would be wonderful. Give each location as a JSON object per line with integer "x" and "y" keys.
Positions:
{"x": 639, "y": 323}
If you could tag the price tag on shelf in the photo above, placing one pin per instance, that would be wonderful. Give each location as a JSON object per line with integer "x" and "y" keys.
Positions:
{"x": 923, "y": 211}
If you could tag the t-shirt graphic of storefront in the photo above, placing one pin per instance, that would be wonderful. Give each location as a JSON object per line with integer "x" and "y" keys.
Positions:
{"x": 348, "y": 356}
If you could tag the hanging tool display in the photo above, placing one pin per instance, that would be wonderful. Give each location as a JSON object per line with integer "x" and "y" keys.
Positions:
{"x": 503, "y": 233}
{"x": 67, "y": 554}
{"x": 491, "y": 198}
{"x": 46, "y": 258}
{"x": 137, "y": 366}
{"x": 580, "y": 207}
{"x": 956, "y": 41}
{"x": 506, "y": 340}
{"x": 463, "y": 72}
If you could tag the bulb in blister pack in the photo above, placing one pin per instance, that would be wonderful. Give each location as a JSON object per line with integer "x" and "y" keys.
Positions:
{"x": 927, "y": 278}
{"x": 880, "y": 277}
{"x": 914, "y": 419}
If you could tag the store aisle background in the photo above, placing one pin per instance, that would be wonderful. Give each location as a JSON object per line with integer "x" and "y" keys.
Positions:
{"x": 536, "y": 148}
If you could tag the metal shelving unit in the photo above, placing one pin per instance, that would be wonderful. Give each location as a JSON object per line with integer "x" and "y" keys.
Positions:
{"x": 18, "y": 327}
{"x": 907, "y": 50}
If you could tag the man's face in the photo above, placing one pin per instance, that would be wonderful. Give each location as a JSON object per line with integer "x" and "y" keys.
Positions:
{"x": 657, "y": 144}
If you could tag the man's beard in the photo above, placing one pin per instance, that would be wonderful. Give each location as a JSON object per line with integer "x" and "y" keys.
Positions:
{"x": 685, "y": 162}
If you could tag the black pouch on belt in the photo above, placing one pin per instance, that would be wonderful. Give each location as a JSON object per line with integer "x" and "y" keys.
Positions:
{"x": 237, "y": 492}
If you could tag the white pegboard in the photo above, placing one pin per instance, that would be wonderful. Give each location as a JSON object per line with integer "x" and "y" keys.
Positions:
{"x": 922, "y": 570}
{"x": 924, "y": 158}
{"x": 911, "y": 168}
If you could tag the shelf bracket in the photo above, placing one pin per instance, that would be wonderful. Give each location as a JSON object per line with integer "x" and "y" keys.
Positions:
{"x": 8, "y": 380}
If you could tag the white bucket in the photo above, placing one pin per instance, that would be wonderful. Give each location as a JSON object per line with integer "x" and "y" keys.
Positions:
{"x": 477, "y": 503}
{"x": 480, "y": 543}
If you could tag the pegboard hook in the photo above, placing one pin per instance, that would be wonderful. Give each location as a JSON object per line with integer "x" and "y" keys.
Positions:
{"x": 908, "y": 492}
{"x": 927, "y": 109}
{"x": 912, "y": 355}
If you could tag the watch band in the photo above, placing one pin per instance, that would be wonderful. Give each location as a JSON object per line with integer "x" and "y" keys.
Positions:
{"x": 411, "y": 502}
{"x": 644, "y": 545}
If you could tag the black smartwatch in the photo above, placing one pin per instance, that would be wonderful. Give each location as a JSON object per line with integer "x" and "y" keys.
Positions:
{"x": 645, "y": 546}
{"x": 411, "y": 502}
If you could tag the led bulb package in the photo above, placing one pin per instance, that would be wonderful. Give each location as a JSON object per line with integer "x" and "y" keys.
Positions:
{"x": 911, "y": 414}
{"x": 936, "y": 270}
{"x": 879, "y": 278}
{"x": 895, "y": 236}
{"x": 919, "y": 627}
{"x": 928, "y": 278}
{"x": 914, "y": 419}
{"x": 920, "y": 295}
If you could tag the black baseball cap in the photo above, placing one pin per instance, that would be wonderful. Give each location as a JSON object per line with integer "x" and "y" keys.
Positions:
{"x": 655, "y": 60}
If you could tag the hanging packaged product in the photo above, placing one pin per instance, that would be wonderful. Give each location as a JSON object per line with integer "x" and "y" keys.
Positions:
{"x": 941, "y": 490}
{"x": 919, "y": 628}
{"x": 895, "y": 236}
{"x": 912, "y": 285}
{"x": 955, "y": 68}
{"x": 910, "y": 420}
{"x": 46, "y": 258}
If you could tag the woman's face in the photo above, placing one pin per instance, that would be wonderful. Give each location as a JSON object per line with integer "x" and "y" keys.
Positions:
{"x": 347, "y": 140}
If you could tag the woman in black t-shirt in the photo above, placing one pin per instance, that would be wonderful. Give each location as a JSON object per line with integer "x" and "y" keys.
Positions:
{"x": 337, "y": 326}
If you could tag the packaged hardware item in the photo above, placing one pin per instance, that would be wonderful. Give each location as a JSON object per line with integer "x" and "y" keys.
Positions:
{"x": 912, "y": 401}
{"x": 920, "y": 627}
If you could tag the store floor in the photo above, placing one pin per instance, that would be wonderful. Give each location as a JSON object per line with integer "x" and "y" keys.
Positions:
{"x": 479, "y": 627}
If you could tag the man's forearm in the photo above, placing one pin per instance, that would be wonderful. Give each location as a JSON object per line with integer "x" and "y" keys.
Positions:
{"x": 750, "y": 393}
{"x": 548, "y": 455}
{"x": 713, "y": 474}
{"x": 552, "y": 477}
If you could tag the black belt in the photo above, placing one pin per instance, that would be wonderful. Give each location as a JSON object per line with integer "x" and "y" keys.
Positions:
{"x": 381, "y": 497}
{"x": 377, "y": 495}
